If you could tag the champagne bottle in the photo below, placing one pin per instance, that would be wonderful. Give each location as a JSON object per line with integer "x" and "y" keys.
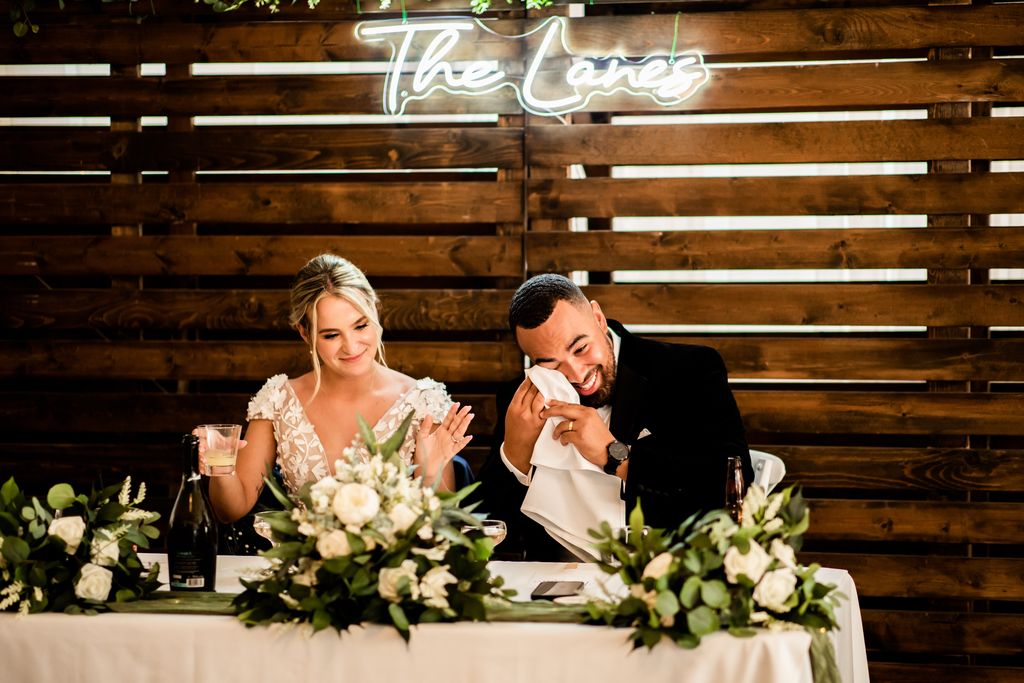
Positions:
{"x": 192, "y": 533}
{"x": 734, "y": 488}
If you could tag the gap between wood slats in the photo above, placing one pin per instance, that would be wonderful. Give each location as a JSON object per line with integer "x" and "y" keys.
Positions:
{"x": 746, "y": 357}
{"x": 904, "y": 469}
{"x": 154, "y": 413}
{"x": 769, "y": 143}
{"x": 893, "y": 84}
{"x": 917, "y": 521}
{"x": 396, "y": 255}
{"x": 811, "y": 195}
{"x": 233, "y": 149}
{"x": 711, "y": 33}
{"x": 943, "y": 632}
{"x": 913, "y": 576}
{"x": 811, "y": 412}
{"x": 284, "y": 203}
{"x": 487, "y": 309}
{"x": 444, "y": 361}
{"x": 775, "y": 249}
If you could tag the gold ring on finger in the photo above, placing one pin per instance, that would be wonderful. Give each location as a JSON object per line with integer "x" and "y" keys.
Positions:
{"x": 572, "y": 424}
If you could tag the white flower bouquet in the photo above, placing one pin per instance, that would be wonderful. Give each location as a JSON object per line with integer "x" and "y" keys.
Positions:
{"x": 73, "y": 553}
{"x": 371, "y": 544}
{"x": 712, "y": 573}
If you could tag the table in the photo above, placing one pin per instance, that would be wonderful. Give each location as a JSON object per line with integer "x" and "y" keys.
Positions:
{"x": 219, "y": 649}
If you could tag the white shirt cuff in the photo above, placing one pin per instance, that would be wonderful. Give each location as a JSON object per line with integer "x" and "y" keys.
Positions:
{"x": 524, "y": 479}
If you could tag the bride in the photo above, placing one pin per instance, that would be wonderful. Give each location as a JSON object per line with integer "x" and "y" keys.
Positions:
{"x": 307, "y": 423}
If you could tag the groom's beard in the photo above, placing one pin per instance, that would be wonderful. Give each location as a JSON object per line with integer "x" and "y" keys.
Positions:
{"x": 603, "y": 395}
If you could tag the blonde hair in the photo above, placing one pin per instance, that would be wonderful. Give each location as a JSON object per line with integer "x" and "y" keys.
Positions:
{"x": 331, "y": 275}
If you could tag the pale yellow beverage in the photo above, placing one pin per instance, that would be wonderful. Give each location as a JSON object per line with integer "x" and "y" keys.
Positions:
{"x": 497, "y": 534}
{"x": 220, "y": 459}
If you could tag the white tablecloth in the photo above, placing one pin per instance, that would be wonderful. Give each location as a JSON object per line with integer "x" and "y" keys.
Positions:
{"x": 213, "y": 649}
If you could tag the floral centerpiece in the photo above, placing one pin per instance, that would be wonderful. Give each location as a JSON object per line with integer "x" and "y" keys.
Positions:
{"x": 371, "y": 543}
{"x": 73, "y": 553}
{"x": 713, "y": 573}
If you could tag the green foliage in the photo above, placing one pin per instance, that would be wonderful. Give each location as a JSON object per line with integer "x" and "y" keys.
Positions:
{"x": 74, "y": 552}
{"x": 372, "y": 544}
{"x": 711, "y": 573}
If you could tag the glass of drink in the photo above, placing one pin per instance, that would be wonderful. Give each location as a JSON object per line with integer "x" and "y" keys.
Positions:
{"x": 494, "y": 529}
{"x": 220, "y": 448}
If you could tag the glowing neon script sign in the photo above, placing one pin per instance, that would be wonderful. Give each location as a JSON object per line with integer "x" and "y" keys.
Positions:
{"x": 667, "y": 81}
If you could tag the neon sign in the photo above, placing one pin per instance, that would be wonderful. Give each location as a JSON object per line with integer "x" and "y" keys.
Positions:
{"x": 544, "y": 90}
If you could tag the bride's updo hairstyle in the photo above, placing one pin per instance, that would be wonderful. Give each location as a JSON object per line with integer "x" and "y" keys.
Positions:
{"x": 331, "y": 275}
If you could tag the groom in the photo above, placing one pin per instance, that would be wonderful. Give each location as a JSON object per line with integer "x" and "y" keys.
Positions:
{"x": 660, "y": 418}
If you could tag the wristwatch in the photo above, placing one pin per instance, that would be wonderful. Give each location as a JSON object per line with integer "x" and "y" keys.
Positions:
{"x": 618, "y": 452}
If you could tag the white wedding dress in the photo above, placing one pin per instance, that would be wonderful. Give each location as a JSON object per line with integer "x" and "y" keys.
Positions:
{"x": 300, "y": 454}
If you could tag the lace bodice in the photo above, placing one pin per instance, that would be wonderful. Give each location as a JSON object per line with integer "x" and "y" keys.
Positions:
{"x": 300, "y": 453}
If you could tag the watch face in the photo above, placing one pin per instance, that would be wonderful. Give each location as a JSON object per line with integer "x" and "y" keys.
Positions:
{"x": 618, "y": 450}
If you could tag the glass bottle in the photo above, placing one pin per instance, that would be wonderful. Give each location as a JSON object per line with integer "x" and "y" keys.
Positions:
{"x": 192, "y": 532}
{"x": 734, "y": 488}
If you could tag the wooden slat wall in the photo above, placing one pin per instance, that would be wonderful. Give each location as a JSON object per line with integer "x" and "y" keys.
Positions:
{"x": 136, "y": 305}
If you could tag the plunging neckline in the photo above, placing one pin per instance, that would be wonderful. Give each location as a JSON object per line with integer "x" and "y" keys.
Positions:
{"x": 355, "y": 437}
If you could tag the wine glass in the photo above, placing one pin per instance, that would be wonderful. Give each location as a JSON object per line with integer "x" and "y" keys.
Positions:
{"x": 493, "y": 529}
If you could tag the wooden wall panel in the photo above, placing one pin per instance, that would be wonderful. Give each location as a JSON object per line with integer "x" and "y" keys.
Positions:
{"x": 131, "y": 311}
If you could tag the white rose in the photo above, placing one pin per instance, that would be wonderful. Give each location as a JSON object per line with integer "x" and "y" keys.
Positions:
{"x": 70, "y": 530}
{"x": 753, "y": 564}
{"x": 334, "y": 544}
{"x": 356, "y": 504}
{"x": 432, "y": 586}
{"x": 774, "y": 589}
{"x": 752, "y": 504}
{"x": 425, "y": 532}
{"x": 402, "y": 517}
{"x": 783, "y": 552}
{"x": 94, "y": 583}
{"x": 658, "y": 567}
{"x": 307, "y": 529}
{"x": 387, "y": 581}
{"x": 104, "y": 551}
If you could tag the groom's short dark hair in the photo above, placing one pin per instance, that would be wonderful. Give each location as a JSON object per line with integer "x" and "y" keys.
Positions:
{"x": 536, "y": 298}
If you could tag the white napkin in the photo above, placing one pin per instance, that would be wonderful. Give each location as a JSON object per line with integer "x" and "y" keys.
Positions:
{"x": 568, "y": 494}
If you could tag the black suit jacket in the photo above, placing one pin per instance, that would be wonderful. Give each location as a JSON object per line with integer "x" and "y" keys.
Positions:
{"x": 680, "y": 394}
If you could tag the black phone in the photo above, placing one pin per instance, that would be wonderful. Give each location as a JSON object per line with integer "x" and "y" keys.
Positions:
{"x": 549, "y": 590}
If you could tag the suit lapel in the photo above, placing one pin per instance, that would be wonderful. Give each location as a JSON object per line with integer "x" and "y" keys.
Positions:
{"x": 630, "y": 387}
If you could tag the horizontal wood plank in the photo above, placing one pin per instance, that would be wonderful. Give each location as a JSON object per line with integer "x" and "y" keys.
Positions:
{"x": 157, "y": 413}
{"x": 812, "y": 195}
{"x": 712, "y": 33}
{"x": 284, "y": 203}
{"x": 902, "y": 469}
{"x": 771, "y": 143}
{"x": 444, "y": 361}
{"x": 830, "y": 248}
{"x": 893, "y": 84}
{"x": 917, "y": 521}
{"x": 863, "y": 358}
{"x": 943, "y": 632}
{"x": 487, "y": 309}
{"x": 914, "y": 576}
{"x": 282, "y": 255}
{"x": 812, "y": 304}
{"x": 889, "y": 672}
{"x": 437, "y": 309}
{"x": 278, "y": 148}
{"x": 746, "y": 357}
{"x": 866, "y": 412}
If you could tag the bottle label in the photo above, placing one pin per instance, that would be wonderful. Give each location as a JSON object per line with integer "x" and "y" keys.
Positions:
{"x": 186, "y": 571}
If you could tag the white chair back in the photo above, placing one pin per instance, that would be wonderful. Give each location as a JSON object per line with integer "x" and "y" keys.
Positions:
{"x": 768, "y": 469}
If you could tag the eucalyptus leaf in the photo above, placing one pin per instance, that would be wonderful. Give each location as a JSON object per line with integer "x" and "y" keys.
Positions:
{"x": 689, "y": 592}
{"x": 666, "y": 603}
{"x": 702, "y": 620}
{"x": 714, "y": 593}
{"x": 60, "y": 496}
